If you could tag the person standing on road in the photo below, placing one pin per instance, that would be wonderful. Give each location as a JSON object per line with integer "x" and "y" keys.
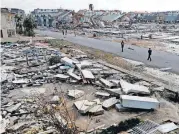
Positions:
{"x": 149, "y": 54}
{"x": 122, "y": 45}
{"x": 66, "y": 31}
{"x": 62, "y": 31}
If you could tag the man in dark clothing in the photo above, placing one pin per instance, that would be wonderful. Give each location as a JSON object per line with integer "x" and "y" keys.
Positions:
{"x": 63, "y": 32}
{"x": 149, "y": 54}
{"x": 66, "y": 32}
{"x": 122, "y": 45}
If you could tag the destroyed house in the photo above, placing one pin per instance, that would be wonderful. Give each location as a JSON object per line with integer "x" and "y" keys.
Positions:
{"x": 149, "y": 18}
{"x": 170, "y": 18}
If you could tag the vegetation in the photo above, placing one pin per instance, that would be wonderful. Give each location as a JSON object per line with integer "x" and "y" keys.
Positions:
{"x": 19, "y": 26}
{"x": 122, "y": 126}
{"x": 29, "y": 26}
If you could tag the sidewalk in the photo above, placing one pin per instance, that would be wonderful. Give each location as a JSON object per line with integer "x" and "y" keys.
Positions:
{"x": 21, "y": 38}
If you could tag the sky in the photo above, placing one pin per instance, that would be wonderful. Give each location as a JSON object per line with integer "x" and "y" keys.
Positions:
{"x": 124, "y": 5}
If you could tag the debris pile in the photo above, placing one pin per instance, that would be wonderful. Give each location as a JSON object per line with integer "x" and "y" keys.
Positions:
{"x": 30, "y": 70}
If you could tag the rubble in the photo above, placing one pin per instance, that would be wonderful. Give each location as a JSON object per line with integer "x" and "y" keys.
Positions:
{"x": 106, "y": 83}
{"x": 168, "y": 127}
{"x": 61, "y": 77}
{"x": 88, "y": 75}
{"x": 102, "y": 94}
{"x": 119, "y": 107}
{"x": 97, "y": 110}
{"x": 75, "y": 93}
{"x": 115, "y": 91}
{"x": 131, "y": 88}
{"x": 139, "y": 102}
{"x": 107, "y": 104}
{"x": 84, "y": 106}
{"x": 55, "y": 99}
{"x": 23, "y": 100}
{"x": 13, "y": 108}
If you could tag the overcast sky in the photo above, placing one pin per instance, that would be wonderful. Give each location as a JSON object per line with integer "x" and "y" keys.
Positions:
{"x": 125, "y": 5}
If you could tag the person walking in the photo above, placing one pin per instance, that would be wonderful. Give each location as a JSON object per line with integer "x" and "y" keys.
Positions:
{"x": 122, "y": 45}
{"x": 63, "y": 32}
{"x": 66, "y": 32}
{"x": 149, "y": 54}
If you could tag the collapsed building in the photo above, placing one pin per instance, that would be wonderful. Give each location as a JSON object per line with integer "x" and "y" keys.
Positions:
{"x": 77, "y": 83}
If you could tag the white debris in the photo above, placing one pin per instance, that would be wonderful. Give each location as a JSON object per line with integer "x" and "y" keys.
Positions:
{"x": 106, "y": 83}
{"x": 68, "y": 61}
{"x": 110, "y": 102}
{"x": 139, "y": 102}
{"x": 165, "y": 69}
{"x": 133, "y": 88}
{"x": 70, "y": 73}
{"x": 87, "y": 74}
{"x": 3, "y": 123}
{"x": 84, "y": 106}
{"x": 55, "y": 99}
{"x": 119, "y": 107}
{"x": 60, "y": 119}
{"x": 160, "y": 89}
{"x": 103, "y": 94}
{"x": 168, "y": 127}
{"x": 96, "y": 110}
{"x": 84, "y": 64}
{"x": 62, "y": 76}
{"x": 114, "y": 91}
{"x": 143, "y": 83}
{"x": 75, "y": 93}
{"x": 54, "y": 66}
{"x": 20, "y": 81}
{"x": 13, "y": 107}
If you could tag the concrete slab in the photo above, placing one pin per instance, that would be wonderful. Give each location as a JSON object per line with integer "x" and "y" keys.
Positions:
{"x": 61, "y": 76}
{"x": 119, "y": 107}
{"x": 106, "y": 83}
{"x": 97, "y": 110}
{"x": 84, "y": 106}
{"x": 139, "y": 102}
{"x": 168, "y": 127}
{"x": 73, "y": 75}
{"x": 68, "y": 61}
{"x": 133, "y": 88}
{"x": 75, "y": 93}
{"x": 107, "y": 104}
{"x": 116, "y": 91}
{"x": 87, "y": 74}
{"x": 13, "y": 107}
{"x": 102, "y": 94}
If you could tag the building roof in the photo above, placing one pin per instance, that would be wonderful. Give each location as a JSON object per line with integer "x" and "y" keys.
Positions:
{"x": 150, "y": 17}
{"x": 111, "y": 17}
{"x": 4, "y": 10}
{"x": 170, "y": 17}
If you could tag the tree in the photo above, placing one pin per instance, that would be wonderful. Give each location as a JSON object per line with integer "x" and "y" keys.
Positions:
{"x": 29, "y": 26}
{"x": 18, "y": 20}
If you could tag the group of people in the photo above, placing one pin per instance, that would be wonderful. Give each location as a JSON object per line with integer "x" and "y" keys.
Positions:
{"x": 149, "y": 51}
